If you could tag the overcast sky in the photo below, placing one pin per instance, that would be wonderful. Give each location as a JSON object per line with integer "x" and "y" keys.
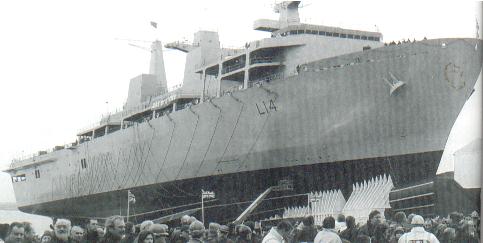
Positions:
{"x": 61, "y": 66}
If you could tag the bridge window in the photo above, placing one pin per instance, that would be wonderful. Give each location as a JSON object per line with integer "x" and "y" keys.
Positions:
{"x": 328, "y": 33}
{"x": 19, "y": 178}
{"x": 350, "y": 36}
{"x": 343, "y": 36}
{"x": 293, "y": 32}
{"x": 364, "y": 37}
{"x": 357, "y": 37}
{"x": 83, "y": 163}
{"x": 321, "y": 32}
{"x": 300, "y": 31}
{"x": 371, "y": 38}
{"x": 37, "y": 173}
{"x": 336, "y": 35}
{"x": 376, "y": 38}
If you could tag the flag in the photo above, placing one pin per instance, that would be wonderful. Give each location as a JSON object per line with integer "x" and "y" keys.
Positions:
{"x": 131, "y": 197}
{"x": 207, "y": 194}
{"x": 154, "y": 24}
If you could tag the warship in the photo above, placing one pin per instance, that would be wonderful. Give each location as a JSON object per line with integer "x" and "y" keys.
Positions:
{"x": 321, "y": 107}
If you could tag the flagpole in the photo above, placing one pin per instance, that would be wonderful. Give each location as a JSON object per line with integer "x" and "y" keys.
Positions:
{"x": 127, "y": 217}
{"x": 202, "y": 208}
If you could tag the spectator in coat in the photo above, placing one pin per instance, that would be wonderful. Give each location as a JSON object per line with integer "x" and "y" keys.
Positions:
{"x": 279, "y": 234}
{"x": 16, "y": 233}
{"x": 308, "y": 231}
{"x": 47, "y": 237}
{"x": 196, "y": 231}
{"x": 77, "y": 234}
{"x": 159, "y": 233}
{"x": 381, "y": 233}
{"x": 466, "y": 233}
{"x": 145, "y": 237}
{"x": 115, "y": 229}
{"x": 212, "y": 236}
{"x": 351, "y": 232}
{"x": 328, "y": 233}
{"x": 91, "y": 235}
{"x": 62, "y": 231}
{"x": 130, "y": 233}
{"x": 375, "y": 218}
{"x": 223, "y": 235}
{"x": 244, "y": 234}
{"x": 340, "y": 224}
{"x": 417, "y": 233}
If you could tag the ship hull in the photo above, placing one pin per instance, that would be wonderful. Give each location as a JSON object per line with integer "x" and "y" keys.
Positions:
{"x": 335, "y": 111}
{"x": 234, "y": 192}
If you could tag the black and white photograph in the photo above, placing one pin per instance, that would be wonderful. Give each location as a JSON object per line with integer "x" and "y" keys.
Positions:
{"x": 240, "y": 121}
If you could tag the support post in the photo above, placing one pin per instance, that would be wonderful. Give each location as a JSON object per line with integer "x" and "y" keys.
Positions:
{"x": 246, "y": 77}
{"x": 127, "y": 217}
{"x": 308, "y": 204}
{"x": 202, "y": 208}
{"x": 218, "y": 89}
{"x": 204, "y": 85}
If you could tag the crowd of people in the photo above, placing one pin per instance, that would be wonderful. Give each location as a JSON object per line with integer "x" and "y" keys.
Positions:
{"x": 412, "y": 229}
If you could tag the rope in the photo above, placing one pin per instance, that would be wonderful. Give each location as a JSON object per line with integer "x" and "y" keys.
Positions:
{"x": 171, "y": 208}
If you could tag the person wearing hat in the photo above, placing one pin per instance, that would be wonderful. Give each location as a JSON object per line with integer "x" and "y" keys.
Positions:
{"x": 244, "y": 234}
{"x": 417, "y": 233}
{"x": 196, "y": 231}
{"x": 223, "y": 232}
{"x": 176, "y": 235}
{"x": 185, "y": 220}
{"x": 159, "y": 233}
{"x": 212, "y": 236}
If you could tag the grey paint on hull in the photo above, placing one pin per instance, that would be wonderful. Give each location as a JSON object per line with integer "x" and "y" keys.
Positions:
{"x": 324, "y": 114}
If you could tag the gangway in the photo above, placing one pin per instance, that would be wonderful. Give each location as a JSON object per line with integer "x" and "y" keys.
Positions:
{"x": 283, "y": 185}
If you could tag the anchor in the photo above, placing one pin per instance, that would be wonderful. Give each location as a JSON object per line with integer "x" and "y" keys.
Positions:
{"x": 395, "y": 84}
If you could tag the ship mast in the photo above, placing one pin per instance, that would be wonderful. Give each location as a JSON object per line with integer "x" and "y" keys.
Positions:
{"x": 289, "y": 13}
{"x": 156, "y": 65}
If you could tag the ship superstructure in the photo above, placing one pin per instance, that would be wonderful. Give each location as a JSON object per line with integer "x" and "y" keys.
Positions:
{"x": 323, "y": 106}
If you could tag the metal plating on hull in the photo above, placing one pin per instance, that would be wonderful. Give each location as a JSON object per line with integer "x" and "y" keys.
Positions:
{"x": 324, "y": 113}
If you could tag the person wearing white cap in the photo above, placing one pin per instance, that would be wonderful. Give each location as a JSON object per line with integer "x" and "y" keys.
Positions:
{"x": 418, "y": 234}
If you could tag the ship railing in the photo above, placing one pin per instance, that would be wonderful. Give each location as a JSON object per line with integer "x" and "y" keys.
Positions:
{"x": 233, "y": 67}
{"x": 105, "y": 118}
{"x": 23, "y": 159}
{"x": 90, "y": 127}
{"x": 183, "y": 44}
{"x": 259, "y": 59}
{"x": 172, "y": 96}
{"x": 160, "y": 101}
{"x": 265, "y": 79}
